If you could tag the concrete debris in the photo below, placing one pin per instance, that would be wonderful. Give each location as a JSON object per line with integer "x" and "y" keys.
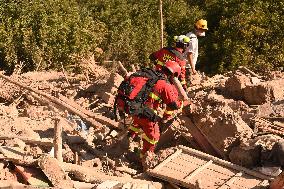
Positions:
{"x": 264, "y": 92}
{"x": 238, "y": 117}
{"x": 278, "y": 182}
{"x": 51, "y": 168}
{"x": 109, "y": 184}
{"x": 235, "y": 85}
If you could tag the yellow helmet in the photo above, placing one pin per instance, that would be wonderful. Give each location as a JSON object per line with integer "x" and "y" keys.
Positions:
{"x": 182, "y": 41}
{"x": 201, "y": 24}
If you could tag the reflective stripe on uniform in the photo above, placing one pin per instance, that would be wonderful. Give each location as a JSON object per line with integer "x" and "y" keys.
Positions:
{"x": 160, "y": 63}
{"x": 181, "y": 107}
{"x": 183, "y": 82}
{"x": 151, "y": 141}
{"x": 169, "y": 112}
{"x": 156, "y": 112}
{"x": 135, "y": 129}
{"x": 155, "y": 97}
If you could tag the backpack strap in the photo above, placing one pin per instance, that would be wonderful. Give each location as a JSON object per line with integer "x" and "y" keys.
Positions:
{"x": 153, "y": 77}
{"x": 137, "y": 105}
{"x": 175, "y": 52}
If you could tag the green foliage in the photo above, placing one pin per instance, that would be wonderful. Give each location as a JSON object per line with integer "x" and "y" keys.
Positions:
{"x": 45, "y": 34}
{"x": 133, "y": 28}
{"x": 247, "y": 32}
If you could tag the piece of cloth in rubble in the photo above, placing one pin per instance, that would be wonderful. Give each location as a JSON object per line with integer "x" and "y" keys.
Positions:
{"x": 81, "y": 126}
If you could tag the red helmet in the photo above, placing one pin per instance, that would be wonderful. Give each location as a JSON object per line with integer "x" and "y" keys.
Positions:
{"x": 173, "y": 67}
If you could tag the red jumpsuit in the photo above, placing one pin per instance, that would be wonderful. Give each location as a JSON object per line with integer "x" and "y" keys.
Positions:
{"x": 170, "y": 53}
{"x": 163, "y": 92}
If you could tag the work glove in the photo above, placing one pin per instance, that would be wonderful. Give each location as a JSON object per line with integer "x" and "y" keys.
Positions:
{"x": 186, "y": 103}
{"x": 184, "y": 86}
{"x": 187, "y": 107}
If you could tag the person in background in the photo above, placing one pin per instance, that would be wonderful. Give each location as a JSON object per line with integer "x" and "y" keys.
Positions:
{"x": 191, "y": 53}
{"x": 173, "y": 53}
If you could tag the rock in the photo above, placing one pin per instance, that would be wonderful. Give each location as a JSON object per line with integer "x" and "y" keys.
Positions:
{"x": 245, "y": 157}
{"x": 264, "y": 92}
{"x": 109, "y": 184}
{"x": 15, "y": 142}
{"x": 113, "y": 133}
{"x": 234, "y": 85}
{"x": 214, "y": 115}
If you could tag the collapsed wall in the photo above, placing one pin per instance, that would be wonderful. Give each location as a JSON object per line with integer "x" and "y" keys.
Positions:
{"x": 220, "y": 124}
{"x": 269, "y": 91}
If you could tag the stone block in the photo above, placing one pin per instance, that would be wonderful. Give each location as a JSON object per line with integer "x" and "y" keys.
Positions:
{"x": 264, "y": 92}
{"x": 109, "y": 184}
{"x": 234, "y": 85}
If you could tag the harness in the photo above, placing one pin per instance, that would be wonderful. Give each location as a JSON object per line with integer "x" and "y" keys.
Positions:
{"x": 136, "y": 106}
{"x": 175, "y": 52}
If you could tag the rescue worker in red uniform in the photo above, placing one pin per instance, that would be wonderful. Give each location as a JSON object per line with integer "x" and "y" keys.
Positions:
{"x": 163, "y": 92}
{"x": 175, "y": 54}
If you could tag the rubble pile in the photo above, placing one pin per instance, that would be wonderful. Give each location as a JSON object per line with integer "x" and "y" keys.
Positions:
{"x": 58, "y": 129}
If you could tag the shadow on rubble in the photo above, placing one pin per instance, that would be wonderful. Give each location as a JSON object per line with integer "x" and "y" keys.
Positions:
{"x": 49, "y": 133}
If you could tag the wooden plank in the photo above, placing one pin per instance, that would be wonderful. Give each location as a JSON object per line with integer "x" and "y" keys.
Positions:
{"x": 96, "y": 116}
{"x": 32, "y": 176}
{"x": 199, "y": 137}
{"x": 51, "y": 168}
{"x": 204, "y": 174}
{"x": 28, "y": 140}
{"x": 246, "y": 70}
{"x": 174, "y": 155}
{"x": 229, "y": 182}
{"x": 198, "y": 170}
{"x": 17, "y": 156}
{"x": 14, "y": 153}
{"x": 125, "y": 72}
{"x": 226, "y": 163}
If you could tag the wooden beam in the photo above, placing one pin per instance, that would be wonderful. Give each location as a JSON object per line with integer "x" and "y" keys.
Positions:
{"x": 199, "y": 137}
{"x": 29, "y": 140}
{"x": 246, "y": 70}
{"x": 90, "y": 175}
{"x": 102, "y": 119}
{"x": 230, "y": 182}
{"x": 225, "y": 163}
{"x": 198, "y": 170}
{"x": 181, "y": 91}
{"x": 125, "y": 72}
{"x": 17, "y": 156}
{"x": 58, "y": 139}
{"x": 51, "y": 168}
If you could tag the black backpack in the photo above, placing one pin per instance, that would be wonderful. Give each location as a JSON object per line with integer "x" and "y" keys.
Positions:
{"x": 131, "y": 104}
